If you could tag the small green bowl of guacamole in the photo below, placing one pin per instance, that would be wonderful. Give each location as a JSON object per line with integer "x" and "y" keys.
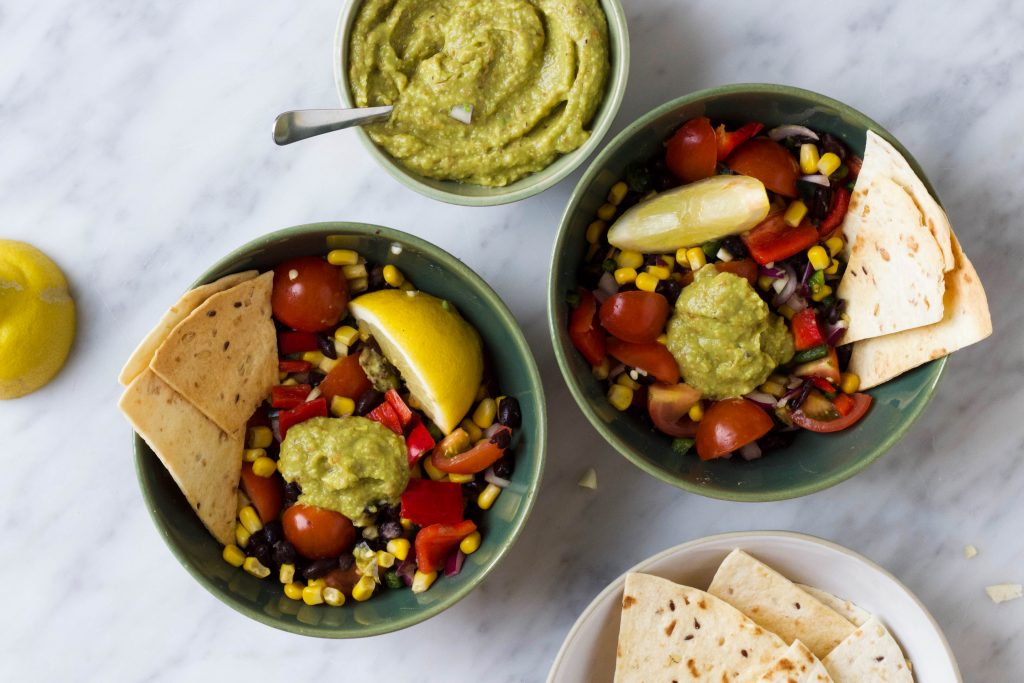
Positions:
{"x": 493, "y": 101}
{"x": 514, "y": 370}
{"x": 814, "y": 461}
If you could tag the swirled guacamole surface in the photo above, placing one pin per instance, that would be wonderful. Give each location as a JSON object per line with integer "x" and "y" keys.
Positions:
{"x": 723, "y": 337}
{"x": 531, "y": 72}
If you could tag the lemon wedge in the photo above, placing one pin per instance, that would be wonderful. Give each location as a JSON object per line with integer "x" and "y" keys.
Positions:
{"x": 437, "y": 352}
{"x": 37, "y": 319}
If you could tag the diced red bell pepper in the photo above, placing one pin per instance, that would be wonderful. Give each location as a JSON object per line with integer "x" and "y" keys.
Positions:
{"x": 289, "y": 396}
{"x": 346, "y": 378}
{"x": 418, "y": 443}
{"x": 727, "y": 141}
{"x": 386, "y": 415}
{"x": 287, "y": 419}
{"x": 844, "y": 404}
{"x": 584, "y": 330}
{"x": 806, "y": 330}
{"x": 824, "y": 386}
{"x": 401, "y": 410}
{"x": 436, "y": 542}
{"x": 773, "y": 239}
{"x": 286, "y": 365}
{"x": 840, "y": 204}
{"x": 295, "y": 342}
{"x": 427, "y": 502}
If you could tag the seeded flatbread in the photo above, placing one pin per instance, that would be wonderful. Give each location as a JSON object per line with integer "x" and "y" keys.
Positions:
{"x": 965, "y": 321}
{"x": 869, "y": 654}
{"x": 850, "y": 611}
{"x": 204, "y": 461}
{"x": 143, "y": 354}
{"x": 796, "y": 665}
{"x": 223, "y": 357}
{"x": 777, "y": 604}
{"x": 671, "y": 632}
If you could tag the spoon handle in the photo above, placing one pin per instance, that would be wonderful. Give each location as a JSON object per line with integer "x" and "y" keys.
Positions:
{"x": 292, "y": 126}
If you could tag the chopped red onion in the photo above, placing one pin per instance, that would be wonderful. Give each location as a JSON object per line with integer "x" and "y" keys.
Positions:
{"x": 606, "y": 286}
{"x": 788, "y": 288}
{"x": 773, "y": 273}
{"x": 493, "y": 478}
{"x": 454, "y": 564}
{"x": 492, "y": 430}
{"x": 275, "y": 427}
{"x": 817, "y": 179}
{"x": 462, "y": 113}
{"x": 797, "y": 303}
{"x": 808, "y": 272}
{"x": 751, "y": 451}
{"x": 791, "y": 131}
{"x": 766, "y": 401}
{"x": 406, "y": 571}
{"x": 835, "y": 333}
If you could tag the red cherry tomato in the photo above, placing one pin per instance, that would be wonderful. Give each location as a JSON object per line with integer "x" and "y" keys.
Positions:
{"x": 347, "y": 379}
{"x": 668, "y": 406}
{"x": 584, "y": 332}
{"x": 769, "y": 162}
{"x": 773, "y": 239}
{"x": 692, "y": 153}
{"x": 635, "y": 316}
{"x": 728, "y": 425}
{"x": 652, "y": 357}
{"x": 317, "y": 533}
{"x": 476, "y": 459}
{"x": 861, "y": 403}
{"x": 309, "y": 294}
{"x": 266, "y": 493}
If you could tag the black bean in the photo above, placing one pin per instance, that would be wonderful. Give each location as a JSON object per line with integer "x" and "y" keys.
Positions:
{"x": 734, "y": 245}
{"x": 843, "y": 355}
{"x": 639, "y": 178}
{"x": 390, "y": 530}
{"x": 318, "y": 568}
{"x": 375, "y": 279}
{"x": 388, "y": 513}
{"x": 473, "y": 488}
{"x": 505, "y": 466}
{"x": 284, "y": 552}
{"x": 776, "y": 440}
{"x": 502, "y": 438}
{"x": 370, "y": 399}
{"x": 262, "y": 552}
{"x": 326, "y": 346}
{"x": 830, "y": 143}
{"x": 509, "y": 413}
{"x": 670, "y": 289}
{"x": 292, "y": 491}
{"x": 315, "y": 378}
{"x": 345, "y": 561}
{"x": 273, "y": 531}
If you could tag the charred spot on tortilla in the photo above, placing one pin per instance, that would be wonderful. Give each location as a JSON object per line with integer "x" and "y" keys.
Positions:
{"x": 693, "y": 669}
{"x": 689, "y": 637}
{"x": 702, "y": 604}
{"x": 797, "y": 605}
{"x": 671, "y": 627}
{"x": 672, "y": 605}
{"x": 744, "y": 653}
{"x": 628, "y": 602}
{"x": 696, "y": 624}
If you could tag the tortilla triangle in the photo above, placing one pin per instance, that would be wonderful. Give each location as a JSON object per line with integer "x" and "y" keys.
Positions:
{"x": 869, "y": 654}
{"x": 796, "y": 665}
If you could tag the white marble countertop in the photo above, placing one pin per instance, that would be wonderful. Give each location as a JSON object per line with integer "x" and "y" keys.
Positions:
{"x": 135, "y": 149}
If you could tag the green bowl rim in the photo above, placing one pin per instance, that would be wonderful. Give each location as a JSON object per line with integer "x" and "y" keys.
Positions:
{"x": 618, "y": 34}
{"x": 449, "y": 262}
{"x": 572, "y": 381}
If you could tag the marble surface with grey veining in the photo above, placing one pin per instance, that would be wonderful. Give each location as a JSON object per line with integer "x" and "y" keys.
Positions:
{"x": 135, "y": 149}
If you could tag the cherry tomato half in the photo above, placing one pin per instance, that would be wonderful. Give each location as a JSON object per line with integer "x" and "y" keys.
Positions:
{"x": 769, "y": 162}
{"x": 652, "y": 357}
{"x": 476, "y": 459}
{"x": 309, "y": 294}
{"x": 728, "y": 425}
{"x": 635, "y": 316}
{"x": 266, "y": 493}
{"x": 347, "y": 379}
{"x": 584, "y": 332}
{"x": 317, "y": 533}
{"x": 668, "y": 406}
{"x": 861, "y": 403}
{"x": 692, "y": 152}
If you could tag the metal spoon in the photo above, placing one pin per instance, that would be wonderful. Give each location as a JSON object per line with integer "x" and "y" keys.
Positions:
{"x": 293, "y": 126}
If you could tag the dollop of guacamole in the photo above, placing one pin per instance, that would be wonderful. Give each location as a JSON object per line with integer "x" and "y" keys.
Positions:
{"x": 723, "y": 336}
{"x": 345, "y": 464}
{"x": 532, "y": 72}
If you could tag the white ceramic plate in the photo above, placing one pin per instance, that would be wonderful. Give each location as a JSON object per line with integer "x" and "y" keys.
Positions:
{"x": 588, "y": 653}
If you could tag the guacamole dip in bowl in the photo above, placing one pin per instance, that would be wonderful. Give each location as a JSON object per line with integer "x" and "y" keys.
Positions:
{"x": 494, "y": 101}
{"x": 729, "y": 337}
{"x": 337, "y": 459}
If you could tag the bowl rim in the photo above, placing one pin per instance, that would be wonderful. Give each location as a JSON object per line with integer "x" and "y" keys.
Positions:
{"x": 516, "y": 337}
{"x": 615, "y": 89}
{"x": 561, "y": 353}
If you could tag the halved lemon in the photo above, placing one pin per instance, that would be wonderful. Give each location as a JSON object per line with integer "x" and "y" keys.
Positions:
{"x": 437, "y": 352}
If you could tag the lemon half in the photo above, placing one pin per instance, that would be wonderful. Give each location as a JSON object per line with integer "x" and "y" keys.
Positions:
{"x": 438, "y": 353}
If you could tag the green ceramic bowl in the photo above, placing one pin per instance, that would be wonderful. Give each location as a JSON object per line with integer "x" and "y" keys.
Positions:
{"x": 478, "y": 195}
{"x": 435, "y": 271}
{"x": 815, "y": 461}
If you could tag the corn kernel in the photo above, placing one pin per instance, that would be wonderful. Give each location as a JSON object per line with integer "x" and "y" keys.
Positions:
{"x": 849, "y": 383}
{"x": 407, "y": 524}
{"x": 629, "y": 259}
{"x": 333, "y": 597}
{"x": 620, "y": 397}
{"x": 406, "y": 286}
{"x": 312, "y": 595}
{"x": 357, "y": 285}
{"x": 346, "y": 334}
{"x": 399, "y": 547}
{"x": 290, "y": 382}
{"x": 660, "y": 272}
{"x": 668, "y": 260}
{"x": 233, "y": 555}
{"x": 601, "y": 371}
{"x": 313, "y": 357}
{"x": 432, "y": 472}
{"x": 264, "y": 467}
{"x": 833, "y": 268}
{"x": 786, "y": 312}
{"x": 393, "y": 276}
{"x": 822, "y": 292}
{"x": 595, "y": 231}
{"x": 342, "y": 406}
{"x": 484, "y": 414}
{"x": 385, "y": 559}
{"x": 253, "y": 566}
{"x": 818, "y": 257}
{"x": 470, "y": 544}
{"x": 326, "y": 365}
{"x": 795, "y": 213}
{"x": 695, "y": 258}
{"x": 617, "y": 193}
{"x": 835, "y": 244}
{"x": 829, "y": 164}
{"x": 354, "y": 271}
{"x": 363, "y": 588}
{"x": 773, "y": 389}
{"x": 697, "y": 411}
{"x": 342, "y": 257}
{"x": 258, "y": 437}
{"x": 809, "y": 158}
{"x": 487, "y": 497}
{"x": 286, "y": 574}
{"x": 646, "y": 282}
{"x": 249, "y": 519}
{"x": 241, "y": 536}
{"x": 316, "y": 583}
{"x": 625, "y": 276}
{"x": 241, "y": 500}
{"x": 662, "y": 338}
{"x": 764, "y": 283}
{"x": 422, "y": 581}
{"x": 625, "y": 380}
{"x": 606, "y": 212}
{"x": 474, "y": 432}
{"x": 460, "y": 478}
{"x": 293, "y": 590}
{"x": 253, "y": 454}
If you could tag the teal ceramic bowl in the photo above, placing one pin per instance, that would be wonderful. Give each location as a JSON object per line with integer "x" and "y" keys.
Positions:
{"x": 815, "y": 461}
{"x": 478, "y": 195}
{"x": 441, "y": 274}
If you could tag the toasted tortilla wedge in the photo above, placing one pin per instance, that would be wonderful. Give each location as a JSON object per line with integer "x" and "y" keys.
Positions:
{"x": 965, "y": 321}
{"x": 143, "y": 354}
{"x": 204, "y": 461}
{"x": 672, "y": 632}
{"x": 854, "y": 614}
{"x": 777, "y": 604}
{"x": 869, "y": 654}
{"x": 796, "y": 665}
{"x": 222, "y": 358}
